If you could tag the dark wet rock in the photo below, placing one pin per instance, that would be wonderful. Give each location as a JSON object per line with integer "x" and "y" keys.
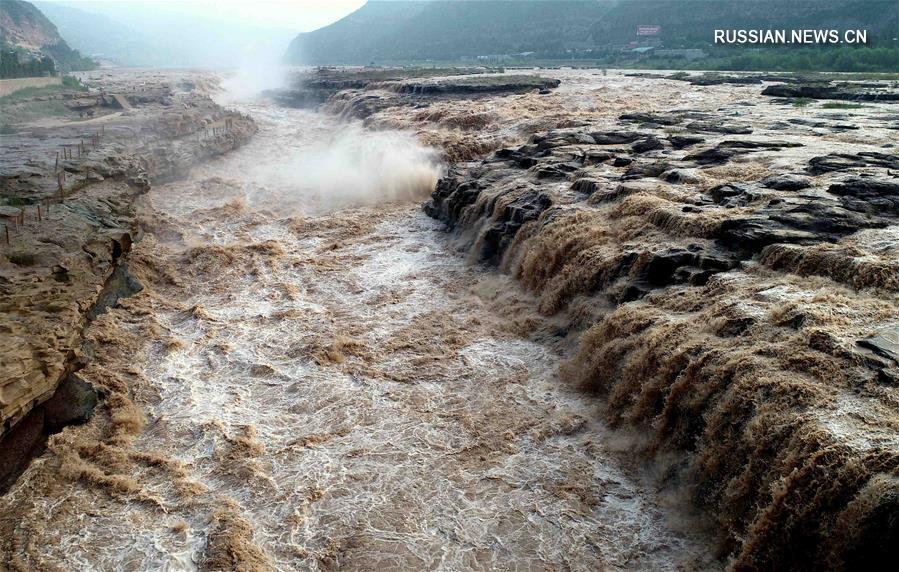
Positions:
{"x": 724, "y": 151}
{"x": 72, "y": 403}
{"x": 755, "y": 232}
{"x": 829, "y": 221}
{"x": 683, "y": 141}
{"x": 747, "y": 144}
{"x": 684, "y": 266}
{"x": 732, "y": 326}
{"x": 622, "y": 161}
{"x": 588, "y": 186}
{"x": 559, "y": 139}
{"x": 616, "y": 137}
{"x": 713, "y": 156}
{"x": 545, "y": 143}
{"x": 843, "y": 91}
{"x": 452, "y": 194}
{"x": 593, "y": 156}
{"x": 642, "y": 170}
{"x": 660, "y": 270}
{"x": 715, "y": 79}
{"x": 844, "y": 161}
{"x": 679, "y": 176}
{"x": 824, "y": 125}
{"x": 302, "y": 98}
{"x": 460, "y": 188}
{"x": 499, "y": 236}
{"x": 786, "y": 182}
{"x": 470, "y": 85}
{"x": 720, "y": 127}
{"x": 121, "y": 284}
{"x": 807, "y": 222}
{"x": 557, "y": 171}
{"x": 868, "y": 195}
{"x": 645, "y": 145}
{"x": 884, "y": 343}
{"x": 522, "y": 157}
{"x": 732, "y": 195}
{"x": 711, "y": 78}
{"x": 654, "y": 118}
{"x": 319, "y": 86}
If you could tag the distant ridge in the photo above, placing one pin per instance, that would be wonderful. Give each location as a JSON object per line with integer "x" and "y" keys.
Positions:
{"x": 102, "y": 37}
{"x": 444, "y": 30}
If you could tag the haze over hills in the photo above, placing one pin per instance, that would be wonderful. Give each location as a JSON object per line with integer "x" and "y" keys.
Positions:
{"x": 27, "y": 32}
{"x": 406, "y": 31}
{"x": 163, "y": 34}
{"x": 104, "y": 38}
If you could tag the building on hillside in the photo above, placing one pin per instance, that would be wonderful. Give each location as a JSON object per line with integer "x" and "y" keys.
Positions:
{"x": 649, "y": 35}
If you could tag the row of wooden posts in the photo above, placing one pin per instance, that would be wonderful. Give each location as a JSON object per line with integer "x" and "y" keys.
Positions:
{"x": 93, "y": 140}
{"x": 80, "y": 148}
{"x": 40, "y": 215}
{"x": 69, "y": 151}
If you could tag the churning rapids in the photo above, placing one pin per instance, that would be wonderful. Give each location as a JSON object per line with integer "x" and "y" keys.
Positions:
{"x": 321, "y": 381}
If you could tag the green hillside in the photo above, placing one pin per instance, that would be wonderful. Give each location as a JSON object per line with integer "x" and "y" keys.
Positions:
{"x": 450, "y": 30}
{"x": 29, "y": 41}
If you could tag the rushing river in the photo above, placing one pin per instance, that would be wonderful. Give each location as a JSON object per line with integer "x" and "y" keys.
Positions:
{"x": 337, "y": 388}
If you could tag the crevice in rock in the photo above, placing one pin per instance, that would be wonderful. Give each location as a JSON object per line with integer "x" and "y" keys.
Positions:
{"x": 75, "y": 399}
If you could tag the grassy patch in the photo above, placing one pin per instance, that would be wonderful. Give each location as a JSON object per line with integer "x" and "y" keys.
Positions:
{"x": 68, "y": 84}
{"x": 73, "y": 82}
{"x": 32, "y": 110}
{"x": 801, "y": 101}
{"x": 841, "y": 105}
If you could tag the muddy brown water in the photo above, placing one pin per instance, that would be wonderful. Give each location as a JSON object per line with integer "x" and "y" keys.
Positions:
{"x": 338, "y": 379}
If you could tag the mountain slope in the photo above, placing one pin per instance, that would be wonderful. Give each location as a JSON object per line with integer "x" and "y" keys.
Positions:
{"x": 27, "y": 32}
{"x": 102, "y": 37}
{"x": 444, "y": 29}
{"x": 385, "y": 31}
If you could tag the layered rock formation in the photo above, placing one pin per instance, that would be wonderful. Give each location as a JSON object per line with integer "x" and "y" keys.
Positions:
{"x": 360, "y": 93}
{"x": 730, "y": 293}
{"x": 65, "y": 260}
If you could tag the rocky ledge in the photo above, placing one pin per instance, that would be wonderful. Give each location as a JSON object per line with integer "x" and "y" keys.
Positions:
{"x": 360, "y": 93}
{"x": 732, "y": 295}
{"x": 70, "y": 194}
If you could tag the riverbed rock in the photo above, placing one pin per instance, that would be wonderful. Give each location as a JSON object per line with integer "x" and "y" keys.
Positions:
{"x": 645, "y": 145}
{"x": 786, "y": 182}
{"x": 845, "y": 161}
{"x": 868, "y": 195}
{"x": 684, "y": 141}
